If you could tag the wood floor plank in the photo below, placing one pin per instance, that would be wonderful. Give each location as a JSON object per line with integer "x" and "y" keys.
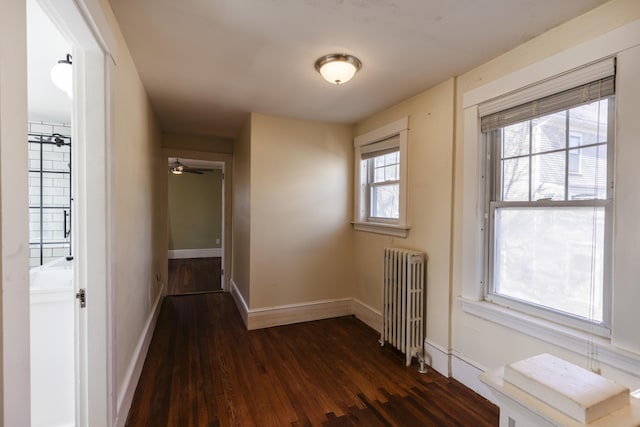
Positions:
{"x": 193, "y": 275}
{"x": 205, "y": 369}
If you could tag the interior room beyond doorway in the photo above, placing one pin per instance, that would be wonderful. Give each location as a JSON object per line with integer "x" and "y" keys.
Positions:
{"x": 195, "y": 218}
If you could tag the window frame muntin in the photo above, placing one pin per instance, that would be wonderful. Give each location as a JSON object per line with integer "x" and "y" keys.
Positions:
{"x": 492, "y": 188}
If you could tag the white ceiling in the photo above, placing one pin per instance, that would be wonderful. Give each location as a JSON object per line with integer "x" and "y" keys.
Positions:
{"x": 206, "y": 64}
{"x": 45, "y": 47}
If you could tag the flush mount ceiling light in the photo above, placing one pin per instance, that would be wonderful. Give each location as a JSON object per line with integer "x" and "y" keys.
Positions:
{"x": 62, "y": 75}
{"x": 338, "y": 68}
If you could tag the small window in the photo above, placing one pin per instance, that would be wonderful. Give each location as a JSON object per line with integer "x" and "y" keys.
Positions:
{"x": 383, "y": 184}
{"x": 381, "y": 180}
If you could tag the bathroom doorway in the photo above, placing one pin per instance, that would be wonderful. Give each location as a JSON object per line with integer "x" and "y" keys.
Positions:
{"x": 68, "y": 208}
{"x": 51, "y": 286}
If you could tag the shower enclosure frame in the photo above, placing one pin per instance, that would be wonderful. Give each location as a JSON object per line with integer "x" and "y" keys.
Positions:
{"x": 58, "y": 140}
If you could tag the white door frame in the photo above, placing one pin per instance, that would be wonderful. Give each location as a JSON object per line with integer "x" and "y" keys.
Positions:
{"x": 227, "y": 170}
{"x": 95, "y": 405}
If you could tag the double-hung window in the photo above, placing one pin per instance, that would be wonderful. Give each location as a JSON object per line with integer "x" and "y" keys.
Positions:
{"x": 380, "y": 186}
{"x": 549, "y": 201}
{"x": 381, "y": 175}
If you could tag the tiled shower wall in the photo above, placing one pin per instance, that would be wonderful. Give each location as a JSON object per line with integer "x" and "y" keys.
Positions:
{"x": 55, "y": 190}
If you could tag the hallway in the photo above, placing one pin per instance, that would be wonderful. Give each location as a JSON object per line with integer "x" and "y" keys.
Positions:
{"x": 205, "y": 369}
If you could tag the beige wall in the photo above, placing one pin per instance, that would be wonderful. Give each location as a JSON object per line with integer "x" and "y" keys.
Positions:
{"x": 430, "y": 169}
{"x": 136, "y": 228}
{"x": 241, "y": 235}
{"x": 487, "y": 344}
{"x": 197, "y": 143}
{"x": 14, "y": 214}
{"x": 301, "y": 208}
{"x": 195, "y": 210}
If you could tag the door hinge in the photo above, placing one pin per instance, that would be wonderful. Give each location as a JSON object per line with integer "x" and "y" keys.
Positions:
{"x": 82, "y": 296}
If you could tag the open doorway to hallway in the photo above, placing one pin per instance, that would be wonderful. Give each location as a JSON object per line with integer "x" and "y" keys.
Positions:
{"x": 195, "y": 226}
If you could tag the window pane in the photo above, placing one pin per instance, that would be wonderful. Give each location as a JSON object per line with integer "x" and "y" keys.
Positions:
{"x": 549, "y": 132}
{"x": 591, "y": 180}
{"x": 515, "y": 179}
{"x": 552, "y": 257}
{"x": 515, "y": 140}
{"x": 590, "y": 122}
{"x": 386, "y": 168}
{"x": 384, "y": 201}
{"x": 547, "y": 176}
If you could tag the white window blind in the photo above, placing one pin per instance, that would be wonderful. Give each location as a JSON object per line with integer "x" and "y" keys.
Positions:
{"x": 582, "y": 85}
{"x": 380, "y": 148}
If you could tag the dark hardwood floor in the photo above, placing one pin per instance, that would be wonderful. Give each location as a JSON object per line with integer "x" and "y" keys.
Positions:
{"x": 190, "y": 275}
{"x": 205, "y": 369}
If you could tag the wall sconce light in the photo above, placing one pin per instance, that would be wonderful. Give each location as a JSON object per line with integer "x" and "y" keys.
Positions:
{"x": 62, "y": 75}
{"x": 338, "y": 68}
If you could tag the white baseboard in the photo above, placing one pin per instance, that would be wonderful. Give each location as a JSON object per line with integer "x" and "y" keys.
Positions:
{"x": 240, "y": 303}
{"x": 132, "y": 376}
{"x": 296, "y": 313}
{"x": 466, "y": 371}
{"x": 437, "y": 357}
{"x": 367, "y": 314}
{"x": 194, "y": 253}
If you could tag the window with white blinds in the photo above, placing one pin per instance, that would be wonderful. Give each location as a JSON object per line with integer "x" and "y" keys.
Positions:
{"x": 381, "y": 180}
{"x": 549, "y": 197}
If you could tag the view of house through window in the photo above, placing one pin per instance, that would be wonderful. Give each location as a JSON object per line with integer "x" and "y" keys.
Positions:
{"x": 550, "y": 209}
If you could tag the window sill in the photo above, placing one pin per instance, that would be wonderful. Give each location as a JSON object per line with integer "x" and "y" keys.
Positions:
{"x": 559, "y": 335}
{"x": 394, "y": 230}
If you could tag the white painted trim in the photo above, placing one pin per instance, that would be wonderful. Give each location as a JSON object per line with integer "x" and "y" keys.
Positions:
{"x": 563, "y": 337}
{"x": 437, "y": 357}
{"x": 194, "y": 253}
{"x": 95, "y": 16}
{"x": 267, "y": 317}
{"x": 606, "y": 45}
{"x": 367, "y": 314}
{"x": 467, "y": 372}
{"x": 380, "y": 228}
{"x": 383, "y": 132}
{"x": 243, "y": 308}
{"x": 132, "y": 375}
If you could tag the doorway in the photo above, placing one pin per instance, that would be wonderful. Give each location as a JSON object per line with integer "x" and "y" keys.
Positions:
{"x": 195, "y": 232}
{"x": 51, "y": 285}
{"x": 84, "y": 240}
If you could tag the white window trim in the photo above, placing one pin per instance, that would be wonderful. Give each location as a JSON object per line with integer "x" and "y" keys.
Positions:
{"x": 474, "y": 221}
{"x": 399, "y": 128}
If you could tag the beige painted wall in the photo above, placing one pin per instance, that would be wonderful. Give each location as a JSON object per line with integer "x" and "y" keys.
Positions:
{"x": 241, "y": 235}
{"x": 475, "y": 339}
{"x": 14, "y": 214}
{"x": 429, "y": 198}
{"x": 197, "y": 143}
{"x": 195, "y": 210}
{"x": 301, "y": 208}
{"x": 136, "y": 228}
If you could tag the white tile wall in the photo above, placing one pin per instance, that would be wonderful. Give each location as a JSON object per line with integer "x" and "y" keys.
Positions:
{"x": 55, "y": 191}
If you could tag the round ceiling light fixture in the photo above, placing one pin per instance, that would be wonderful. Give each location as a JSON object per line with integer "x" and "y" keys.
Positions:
{"x": 338, "y": 68}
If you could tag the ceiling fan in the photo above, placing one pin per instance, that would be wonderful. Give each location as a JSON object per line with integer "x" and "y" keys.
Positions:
{"x": 178, "y": 168}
